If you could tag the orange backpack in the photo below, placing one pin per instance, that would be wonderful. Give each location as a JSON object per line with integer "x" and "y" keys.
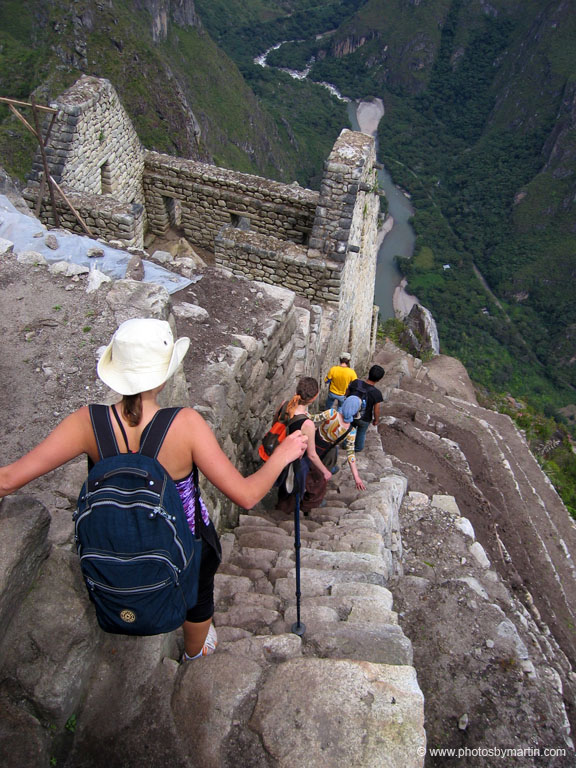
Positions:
{"x": 277, "y": 432}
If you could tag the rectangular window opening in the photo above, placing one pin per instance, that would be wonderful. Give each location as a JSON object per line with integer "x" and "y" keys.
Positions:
{"x": 174, "y": 211}
{"x": 105, "y": 178}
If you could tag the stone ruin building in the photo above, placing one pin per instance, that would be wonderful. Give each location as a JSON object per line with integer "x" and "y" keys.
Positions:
{"x": 321, "y": 245}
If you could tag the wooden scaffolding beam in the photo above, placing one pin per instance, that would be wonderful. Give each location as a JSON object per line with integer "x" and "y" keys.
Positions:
{"x": 43, "y": 141}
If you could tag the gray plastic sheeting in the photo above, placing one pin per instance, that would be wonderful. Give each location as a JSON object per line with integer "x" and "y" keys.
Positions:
{"x": 23, "y": 231}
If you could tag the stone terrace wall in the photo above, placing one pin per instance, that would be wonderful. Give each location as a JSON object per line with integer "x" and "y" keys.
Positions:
{"x": 240, "y": 391}
{"x": 104, "y": 216}
{"x": 278, "y": 262}
{"x": 200, "y": 199}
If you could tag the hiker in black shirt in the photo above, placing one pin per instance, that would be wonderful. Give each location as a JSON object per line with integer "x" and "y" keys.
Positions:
{"x": 372, "y": 397}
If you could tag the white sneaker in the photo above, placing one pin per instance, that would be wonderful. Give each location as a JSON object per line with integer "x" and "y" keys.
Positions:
{"x": 211, "y": 642}
{"x": 208, "y": 648}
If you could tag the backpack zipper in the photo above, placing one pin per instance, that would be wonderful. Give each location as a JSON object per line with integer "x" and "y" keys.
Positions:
{"x": 131, "y": 559}
{"x": 155, "y": 511}
{"x": 129, "y": 590}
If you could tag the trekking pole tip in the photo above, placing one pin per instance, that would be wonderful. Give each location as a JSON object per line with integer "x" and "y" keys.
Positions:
{"x": 298, "y": 628}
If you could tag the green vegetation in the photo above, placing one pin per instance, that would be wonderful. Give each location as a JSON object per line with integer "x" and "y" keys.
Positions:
{"x": 307, "y": 115}
{"x": 38, "y": 54}
{"x": 471, "y": 121}
{"x": 464, "y": 175}
{"x": 261, "y": 24}
{"x": 397, "y": 331}
{"x": 71, "y": 724}
{"x": 549, "y": 441}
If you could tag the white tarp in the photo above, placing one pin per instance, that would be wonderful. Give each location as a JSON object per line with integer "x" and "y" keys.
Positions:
{"x": 28, "y": 234}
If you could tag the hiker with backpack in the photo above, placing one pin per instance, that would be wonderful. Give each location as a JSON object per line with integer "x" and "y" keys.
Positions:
{"x": 136, "y": 364}
{"x": 338, "y": 378}
{"x": 297, "y": 417}
{"x": 371, "y": 398}
{"x": 334, "y": 426}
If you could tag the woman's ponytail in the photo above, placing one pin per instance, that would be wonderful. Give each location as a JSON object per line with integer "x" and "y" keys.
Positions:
{"x": 292, "y": 404}
{"x": 132, "y": 409}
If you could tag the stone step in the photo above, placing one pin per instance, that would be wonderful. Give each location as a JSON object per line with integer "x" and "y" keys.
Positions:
{"x": 378, "y": 643}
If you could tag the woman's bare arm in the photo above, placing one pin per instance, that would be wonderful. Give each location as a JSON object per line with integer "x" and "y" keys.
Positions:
{"x": 309, "y": 430}
{"x": 217, "y": 467}
{"x": 71, "y": 438}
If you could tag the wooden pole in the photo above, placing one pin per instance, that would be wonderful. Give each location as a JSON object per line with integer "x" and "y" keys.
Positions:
{"x": 74, "y": 211}
{"x": 4, "y": 100}
{"x": 46, "y": 178}
{"x": 22, "y": 119}
{"x": 45, "y": 163}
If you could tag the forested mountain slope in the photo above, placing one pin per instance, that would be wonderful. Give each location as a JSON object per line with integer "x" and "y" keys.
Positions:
{"x": 183, "y": 93}
{"x": 479, "y": 127}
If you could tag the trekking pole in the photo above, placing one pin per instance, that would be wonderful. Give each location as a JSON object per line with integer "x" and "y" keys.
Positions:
{"x": 298, "y": 628}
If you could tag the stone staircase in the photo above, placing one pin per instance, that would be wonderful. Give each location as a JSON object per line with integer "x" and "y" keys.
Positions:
{"x": 343, "y": 694}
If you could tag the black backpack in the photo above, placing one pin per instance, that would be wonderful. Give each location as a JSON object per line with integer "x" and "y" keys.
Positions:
{"x": 138, "y": 556}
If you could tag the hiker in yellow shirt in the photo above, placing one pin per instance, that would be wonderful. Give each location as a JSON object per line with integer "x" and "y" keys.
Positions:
{"x": 338, "y": 378}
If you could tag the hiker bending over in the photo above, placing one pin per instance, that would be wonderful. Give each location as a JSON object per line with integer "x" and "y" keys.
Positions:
{"x": 141, "y": 357}
{"x": 338, "y": 378}
{"x": 333, "y": 427}
{"x": 297, "y": 411}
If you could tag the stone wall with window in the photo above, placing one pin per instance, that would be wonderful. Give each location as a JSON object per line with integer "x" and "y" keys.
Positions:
{"x": 199, "y": 199}
{"x": 92, "y": 147}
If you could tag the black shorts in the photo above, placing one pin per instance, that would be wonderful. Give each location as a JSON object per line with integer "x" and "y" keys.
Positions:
{"x": 211, "y": 556}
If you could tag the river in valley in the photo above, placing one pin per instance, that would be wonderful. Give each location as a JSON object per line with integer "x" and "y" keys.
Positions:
{"x": 399, "y": 240}
{"x": 397, "y": 236}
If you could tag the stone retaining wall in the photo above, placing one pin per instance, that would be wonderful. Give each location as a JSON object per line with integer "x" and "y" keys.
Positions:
{"x": 250, "y": 380}
{"x": 105, "y": 217}
{"x": 278, "y": 262}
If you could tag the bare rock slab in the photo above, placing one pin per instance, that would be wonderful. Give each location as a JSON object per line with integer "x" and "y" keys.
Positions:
{"x": 381, "y": 644}
{"x": 378, "y": 722}
{"x": 24, "y": 525}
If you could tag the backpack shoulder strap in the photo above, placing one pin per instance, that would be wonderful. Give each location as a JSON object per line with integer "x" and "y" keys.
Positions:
{"x": 296, "y": 422}
{"x": 103, "y": 431}
{"x": 345, "y": 435}
{"x": 156, "y": 430}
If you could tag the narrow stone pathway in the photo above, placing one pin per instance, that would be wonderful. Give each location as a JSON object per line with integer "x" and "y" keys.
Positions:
{"x": 344, "y": 694}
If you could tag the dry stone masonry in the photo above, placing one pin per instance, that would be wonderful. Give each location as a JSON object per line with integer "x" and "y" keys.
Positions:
{"x": 320, "y": 245}
{"x": 93, "y": 152}
{"x": 346, "y": 694}
{"x": 201, "y": 199}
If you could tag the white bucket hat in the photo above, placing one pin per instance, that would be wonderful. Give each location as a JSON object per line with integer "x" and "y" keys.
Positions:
{"x": 141, "y": 356}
